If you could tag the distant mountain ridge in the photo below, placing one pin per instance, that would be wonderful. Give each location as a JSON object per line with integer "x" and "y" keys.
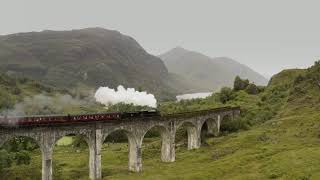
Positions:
{"x": 92, "y": 57}
{"x": 95, "y": 57}
{"x": 205, "y": 72}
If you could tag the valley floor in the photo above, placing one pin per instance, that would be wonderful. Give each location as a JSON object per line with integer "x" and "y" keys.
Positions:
{"x": 283, "y": 148}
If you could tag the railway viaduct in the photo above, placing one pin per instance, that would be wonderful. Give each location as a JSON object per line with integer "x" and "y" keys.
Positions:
{"x": 96, "y": 132}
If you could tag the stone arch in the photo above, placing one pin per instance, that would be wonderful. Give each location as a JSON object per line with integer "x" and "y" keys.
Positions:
{"x": 134, "y": 148}
{"x": 226, "y": 118}
{"x": 83, "y": 153}
{"x": 193, "y": 134}
{"x": 62, "y": 134}
{"x": 212, "y": 124}
{"x": 162, "y": 129}
{"x": 167, "y": 142}
{"x": 130, "y": 135}
{"x": 227, "y": 115}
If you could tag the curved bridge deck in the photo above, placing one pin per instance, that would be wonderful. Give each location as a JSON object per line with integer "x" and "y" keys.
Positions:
{"x": 95, "y": 133}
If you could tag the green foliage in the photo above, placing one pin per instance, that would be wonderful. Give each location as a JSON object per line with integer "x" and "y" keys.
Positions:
{"x": 21, "y": 96}
{"x": 229, "y": 125}
{"x": 123, "y": 107}
{"x": 252, "y": 89}
{"x": 18, "y": 144}
{"x": 300, "y": 78}
{"x": 152, "y": 133}
{"x": 22, "y": 157}
{"x": 281, "y": 139}
{"x": 140, "y": 89}
{"x": 285, "y": 148}
{"x": 117, "y": 136}
{"x": 79, "y": 142}
{"x": 225, "y": 95}
{"x": 17, "y": 150}
{"x": 257, "y": 108}
{"x": 240, "y": 84}
{"x": 5, "y": 159}
{"x": 261, "y": 88}
{"x": 6, "y": 100}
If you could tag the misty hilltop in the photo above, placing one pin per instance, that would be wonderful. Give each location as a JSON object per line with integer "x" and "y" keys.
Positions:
{"x": 92, "y": 57}
{"x": 205, "y": 72}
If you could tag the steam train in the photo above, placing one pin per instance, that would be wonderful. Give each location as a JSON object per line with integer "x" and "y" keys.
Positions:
{"x": 59, "y": 119}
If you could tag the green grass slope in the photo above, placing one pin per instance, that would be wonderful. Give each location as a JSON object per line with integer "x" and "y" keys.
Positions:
{"x": 285, "y": 145}
{"x": 14, "y": 89}
{"x": 285, "y": 148}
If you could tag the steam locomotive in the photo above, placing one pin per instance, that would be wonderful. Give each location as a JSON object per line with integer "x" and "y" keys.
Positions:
{"x": 58, "y": 119}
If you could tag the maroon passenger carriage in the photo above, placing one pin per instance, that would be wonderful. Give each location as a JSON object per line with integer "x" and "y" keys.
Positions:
{"x": 105, "y": 117}
{"x": 59, "y": 119}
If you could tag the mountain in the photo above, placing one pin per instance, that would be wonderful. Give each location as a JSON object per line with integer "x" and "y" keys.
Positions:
{"x": 89, "y": 57}
{"x": 207, "y": 73}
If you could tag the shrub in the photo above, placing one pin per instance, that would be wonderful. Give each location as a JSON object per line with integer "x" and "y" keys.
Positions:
{"x": 229, "y": 125}
{"x": 6, "y": 100}
{"x": 252, "y": 89}
{"x": 117, "y": 137}
{"x": 225, "y": 95}
{"x": 79, "y": 142}
{"x": 20, "y": 143}
{"x": 298, "y": 79}
{"x": 240, "y": 84}
{"x": 5, "y": 159}
{"x": 261, "y": 88}
{"x": 122, "y": 107}
{"x": 23, "y": 157}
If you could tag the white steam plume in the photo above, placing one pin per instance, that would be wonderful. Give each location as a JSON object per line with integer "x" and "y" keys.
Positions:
{"x": 109, "y": 96}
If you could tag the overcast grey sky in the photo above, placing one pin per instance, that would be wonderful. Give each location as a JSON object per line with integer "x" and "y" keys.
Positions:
{"x": 266, "y": 35}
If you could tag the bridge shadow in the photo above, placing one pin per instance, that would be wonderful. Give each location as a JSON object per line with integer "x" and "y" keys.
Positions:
{"x": 227, "y": 125}
{"x": 71, "y": 158}
{"x": 20, "y": 158}
{"x": 205, "y": 134}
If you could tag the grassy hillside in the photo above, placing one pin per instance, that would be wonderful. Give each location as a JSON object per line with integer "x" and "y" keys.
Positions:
{"x": 13, "y": 90}
{"x": 280, "y": 141}
{"x": 283, "y": 148}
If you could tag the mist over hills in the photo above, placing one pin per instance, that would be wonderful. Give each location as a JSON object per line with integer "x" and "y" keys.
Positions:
{"x": 207, "y": 73}
{"x": 91, "y": 57}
